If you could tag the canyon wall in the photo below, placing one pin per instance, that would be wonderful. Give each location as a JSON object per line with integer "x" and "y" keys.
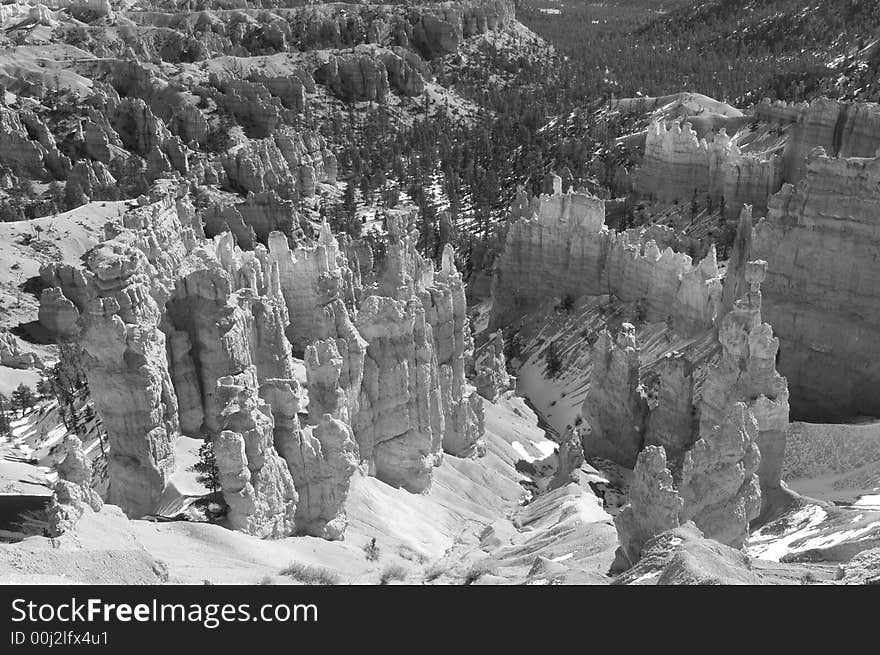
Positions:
{"x": 558, "y": 245}
{"x": 843, "y": 129}
{"x": 678, "y": 165}
{"x": 822, "y": 292}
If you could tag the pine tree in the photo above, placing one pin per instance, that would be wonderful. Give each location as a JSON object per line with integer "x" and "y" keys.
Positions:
{"x": 553, "y": 360}
{"x": 23, "y": 398}
{"x": 206, "y": 467}
{"x": 5, "y": 427}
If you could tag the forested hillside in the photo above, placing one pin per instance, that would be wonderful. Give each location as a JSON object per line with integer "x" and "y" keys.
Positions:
{"x": 739, "y": 50}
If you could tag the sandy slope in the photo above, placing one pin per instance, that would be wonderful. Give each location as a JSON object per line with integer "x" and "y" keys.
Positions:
{"x": 471, "y": 519}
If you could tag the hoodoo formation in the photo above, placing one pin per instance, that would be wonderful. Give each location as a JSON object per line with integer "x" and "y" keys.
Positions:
{"x": 465, "y": 292}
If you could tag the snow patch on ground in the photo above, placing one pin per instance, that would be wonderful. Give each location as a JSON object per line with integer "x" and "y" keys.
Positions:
{"x": 868, "y": 502}
{"x": 804, "y": 523}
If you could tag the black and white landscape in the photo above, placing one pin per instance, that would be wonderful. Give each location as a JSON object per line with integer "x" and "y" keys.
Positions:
{"x": 467, "y": 292}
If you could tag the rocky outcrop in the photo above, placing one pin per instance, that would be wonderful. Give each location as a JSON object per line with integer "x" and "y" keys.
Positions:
{"x": 335, "y": 370}
{"x": 354, "y": 77}
{"x": 735, "y": 285}
{"x": 673, "y": 422}
{"x": 110, "y": 310}
{"x": 93, "y": 177}
{"x": 843, "y": 129}
{"x": 160, "y": 320}
{"x": 615, "y": 408}
{"x": 321, "y": 460}
{"x": 74, "y": 495}
{"x": 400, "y": 421}
{"x": 290, "y": 89}
{"x": 252, "y": 105}
{"x": 720, "y": 485}
{"x": 186, "y": 335}
{"x": 441, "y": 293}
{"x": 439, "y": 29}
{"x": 747, "y": 373}
{"x": 24, "y": 156}
{"x": 252, "y": 220}
{"x": 287, "y": 160}
{"x": 397, "y": 370}
{"x": 312, "y": 278}
{"x": 678, "y": 165}
{"x": 560, "y": 246}
{"x": 11, "y": 354}
{"x": 743, "y": 414}
{"x": 256, "y": 482}
{"x": 719, "y": 490}
{"x": 820, "y": 240}
{"x": 190, "y": 124}
{"x": 490, "y": 375}
{"x": 257, "y": 167}
{"x": 654, "y": 506}
{"x": 406, "y": 71}
{"x": 683, "y": 556}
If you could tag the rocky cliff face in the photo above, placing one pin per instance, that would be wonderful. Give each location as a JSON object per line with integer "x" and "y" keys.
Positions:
{"x": 113, "y": 308}
{"x": 313, "y": 277}
{"x": 821, "y": 293}
{"x": 23, "y": 155}
{"x": 397, "y": 368}
{"x": 678, "y": 165}
{"x": 558, "y": 245}
{"x": 355, "y": 77}
{"x": 672, "y": 421}
{"x": 162, "y": 320}
{"x": 186, "y": 335}
{"x": 490, "y": 375}
{"x": 256, "y": 482}
{"x": 74, "y": 494}
{"x": 747, "y": 373}
{"x": 615, "y": 408}
{"x": 844, "y": 129}
{"x": 399, "y": 424}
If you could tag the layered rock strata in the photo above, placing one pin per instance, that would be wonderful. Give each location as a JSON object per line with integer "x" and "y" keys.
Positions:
{"x": 678, "y": 165}
{"x": 112, "y": 308}
{"x": 615, "y": 408}
{"x": 843, "y": 129}
{"x": 747, "y": 373}
{"x": 183, "y": 335}
{"x": 822, "y": 294}
{"x": 559, "y": 245}
{"x": 160, "y": 320}
{"x": 256, "y": 482}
